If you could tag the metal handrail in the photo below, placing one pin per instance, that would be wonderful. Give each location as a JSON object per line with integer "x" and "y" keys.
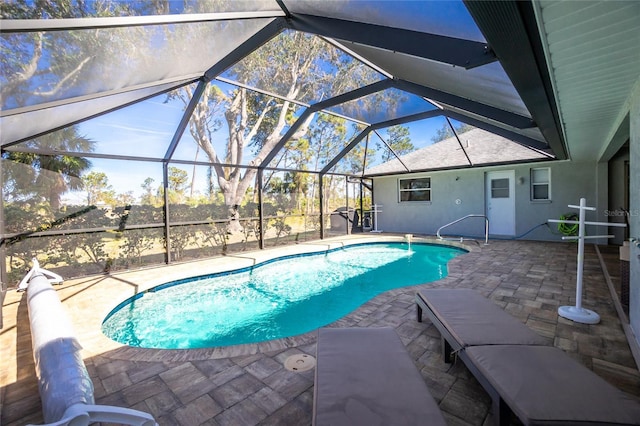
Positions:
{"x": 486, "y": 228}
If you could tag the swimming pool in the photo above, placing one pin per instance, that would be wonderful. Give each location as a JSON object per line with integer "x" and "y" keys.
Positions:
{"x": 283, "y": 297}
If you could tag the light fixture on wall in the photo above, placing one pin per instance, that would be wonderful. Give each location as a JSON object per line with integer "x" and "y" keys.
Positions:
{"x": 521, "y": 180}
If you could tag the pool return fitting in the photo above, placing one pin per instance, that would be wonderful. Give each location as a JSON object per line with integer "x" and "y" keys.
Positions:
{"x": 577, "y": 313}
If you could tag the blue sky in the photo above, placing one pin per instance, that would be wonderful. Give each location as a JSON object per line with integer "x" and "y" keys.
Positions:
{"x": 146, "y": 129}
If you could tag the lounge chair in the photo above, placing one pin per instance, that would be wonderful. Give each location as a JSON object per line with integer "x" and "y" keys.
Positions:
{"x": 538, "y": 383}
{"x": 364, "y": 376}
{"x": 466, "y": 318}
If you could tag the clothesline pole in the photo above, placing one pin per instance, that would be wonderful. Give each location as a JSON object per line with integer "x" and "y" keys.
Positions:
{"x": 581, "y": 216}
{"x": 577, "y": 313}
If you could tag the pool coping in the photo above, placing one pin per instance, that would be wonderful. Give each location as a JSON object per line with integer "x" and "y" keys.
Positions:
{"x": 87, "y": 314}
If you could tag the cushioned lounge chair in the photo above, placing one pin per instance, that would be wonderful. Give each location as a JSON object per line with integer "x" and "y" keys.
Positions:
{"x": 466, "y": 318}
{"x": 542, "y": 385}
{"x": 538, "y": 383}
{"x": 364, "y": 376}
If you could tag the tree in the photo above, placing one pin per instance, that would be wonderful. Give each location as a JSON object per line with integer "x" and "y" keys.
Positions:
{"x": 97, "y": 186}
{"x": 46, "y": 66}
{"x": 50, "y": 175}
{"x": 148, "y": 198}
{"x": 295, "y": 65}
{"x": 125, "y": 198}
{"x": 399, "y": 141}
{"x": 178, "y": 183}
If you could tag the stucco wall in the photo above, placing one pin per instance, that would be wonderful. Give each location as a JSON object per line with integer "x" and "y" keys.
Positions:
{"x": 617, "y": 195}
{"x": 634, "y": 217}
{"x": 569, "y": 182}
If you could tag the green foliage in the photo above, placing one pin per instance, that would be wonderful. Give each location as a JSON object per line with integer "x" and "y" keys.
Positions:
{"x": 49, "y": 176}
{"x": 212, "y": 236}
{"x": 399, "y": 141}
{"x": 44, "y": 66}
{"x": 98, "y": 189}
{"x": 297, "y": 66}
{"x": 134, "y": 244}
{"x": 149, "y": 198}
{"x": 177, "y": 184}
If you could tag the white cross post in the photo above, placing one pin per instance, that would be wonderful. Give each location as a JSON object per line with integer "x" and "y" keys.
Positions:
{"x": 577, "y": 313}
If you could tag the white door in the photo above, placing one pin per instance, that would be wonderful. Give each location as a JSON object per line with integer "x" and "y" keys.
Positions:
{"x": 501, "y": 202}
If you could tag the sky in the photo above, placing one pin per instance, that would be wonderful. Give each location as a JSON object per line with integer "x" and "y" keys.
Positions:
{"x": 146, "y": 129}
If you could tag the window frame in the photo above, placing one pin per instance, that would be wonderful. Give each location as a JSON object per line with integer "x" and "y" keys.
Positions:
{"x": 499, "y": 191}
{"x": 535, "y": 184}
{"x": 402, "y": 190}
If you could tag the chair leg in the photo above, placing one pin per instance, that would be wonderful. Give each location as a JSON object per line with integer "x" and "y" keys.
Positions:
{"x": 419, "y": 312}
{"x": 446, "y": 350}
{"x": 501, "y": 411}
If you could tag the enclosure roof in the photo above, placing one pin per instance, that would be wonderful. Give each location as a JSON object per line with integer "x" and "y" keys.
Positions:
{"x": 475, "y": 147}
{"x": 479, "y": 63}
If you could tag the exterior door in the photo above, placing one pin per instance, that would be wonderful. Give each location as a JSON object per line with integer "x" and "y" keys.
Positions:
{"x": 501, "y": 205}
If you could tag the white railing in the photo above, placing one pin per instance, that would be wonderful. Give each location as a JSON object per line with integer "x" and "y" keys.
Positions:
{"x": 461, "y": 239}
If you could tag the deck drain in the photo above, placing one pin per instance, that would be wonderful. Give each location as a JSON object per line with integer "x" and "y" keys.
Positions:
{"x": 300, "y": 362}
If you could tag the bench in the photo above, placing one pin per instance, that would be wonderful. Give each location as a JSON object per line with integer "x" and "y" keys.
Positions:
{"x": 537, "y": 382}
{"x": 364, "y": 376}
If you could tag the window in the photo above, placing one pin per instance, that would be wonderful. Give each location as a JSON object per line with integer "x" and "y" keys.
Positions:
{"x": 415, "y": 189}
{"x": 500, "y": 188}
{"x": 541, "y": 184}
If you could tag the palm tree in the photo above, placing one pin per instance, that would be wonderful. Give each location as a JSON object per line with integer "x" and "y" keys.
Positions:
{"x": 53, "y": 175}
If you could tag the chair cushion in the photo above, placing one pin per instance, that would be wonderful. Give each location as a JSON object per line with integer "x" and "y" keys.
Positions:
{"x": 472, "y": 319}
{"x": 364, "y": 376}
{"x": 544, "y": 386}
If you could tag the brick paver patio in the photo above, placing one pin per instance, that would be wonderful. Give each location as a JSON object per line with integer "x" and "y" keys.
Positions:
{"x": 248, "y": 385}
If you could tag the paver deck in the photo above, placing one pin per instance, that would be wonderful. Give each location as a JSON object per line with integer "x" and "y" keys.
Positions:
{"x": 248, "y": 384}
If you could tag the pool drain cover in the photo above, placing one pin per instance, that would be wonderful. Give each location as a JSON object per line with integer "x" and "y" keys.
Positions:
{"x": 300, "y": 362}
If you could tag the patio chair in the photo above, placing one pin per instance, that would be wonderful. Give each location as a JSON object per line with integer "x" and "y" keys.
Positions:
{"x": 364, "y": 376}
{"x": 465, "y": 318}
{"x": 538, "y": 383}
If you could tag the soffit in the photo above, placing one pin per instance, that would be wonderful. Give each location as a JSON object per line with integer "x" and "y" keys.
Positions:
{"x": 593, "y": 52}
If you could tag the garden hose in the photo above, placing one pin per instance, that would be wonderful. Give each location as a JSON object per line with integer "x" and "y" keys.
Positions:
{"x": 568, "y": 229}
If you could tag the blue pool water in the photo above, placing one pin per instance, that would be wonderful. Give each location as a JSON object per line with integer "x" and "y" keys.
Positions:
{"x": 279, "y": 298}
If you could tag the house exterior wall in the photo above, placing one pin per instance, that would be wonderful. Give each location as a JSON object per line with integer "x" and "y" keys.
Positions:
{"x": 634, "y": 217}
{"x": 617, "y": 196}
{"x": 456, "y": 193}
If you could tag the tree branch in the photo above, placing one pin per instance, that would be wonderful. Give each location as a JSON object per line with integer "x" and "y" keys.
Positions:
{"x": 72, "y": 74}
{"x": 28, "y": 70}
